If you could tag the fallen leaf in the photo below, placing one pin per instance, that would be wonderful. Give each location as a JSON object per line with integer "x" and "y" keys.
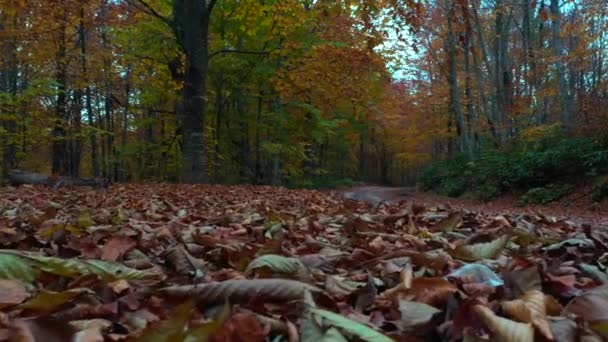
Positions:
{"x": 242, "y": 289}
{"x": 276, "y": 263}
{"x": 50, "y": 301}
{"x": 591, "y": 306}
{"x": 184, "y": 263}
{"x": 117, "y": 247}
{"x": 26, "y": 265}
{"x": 414, "y": 314}
{"x": 505, "y": 330}
{"x": 42, "y": 329}
{"x": 12, "y": 292}
{"x": 450, "y": 223}
{"x": 172, "y": 329}
{"x": 241, "y": 327}
{"x": 533, "y": 307}
{"x": 479, "y": 251}
{"x": 349, "y": 326}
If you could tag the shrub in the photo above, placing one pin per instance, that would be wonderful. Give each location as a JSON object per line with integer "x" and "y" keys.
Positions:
{"x": 535, "y": 164}
{"x": 545, "y": 195}
{"x": 600, "y": 190}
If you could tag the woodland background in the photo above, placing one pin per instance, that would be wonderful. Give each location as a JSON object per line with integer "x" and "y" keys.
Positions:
{"x": 461, "y": 95}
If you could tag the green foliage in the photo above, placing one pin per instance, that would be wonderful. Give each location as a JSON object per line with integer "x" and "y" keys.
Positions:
{"x": 600, "y": 190}
{"x": 541, "y": 164}
{"x": 546, "y": 194}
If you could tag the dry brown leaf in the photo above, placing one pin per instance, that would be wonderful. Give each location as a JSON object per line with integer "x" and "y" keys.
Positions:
{"x": 119, "y": 285}
{"x": 407, "y": 276}
{"x": 428, "y": 290}
{"x": 479, "y": 251}
{"x": 117, "y": 247}
{"x": 42, "y": 329}
{"x": 436, "y": 259}
{"x": 450, "y": 223}
{"x": 184, "y": 263}
{"x": 505, "y": 330}
{"x": 239, "y": 290}
{"x": 592, "y": 306}
{"x": 533, "y": 307}
{"x": 524, "y": 280}
{"x": 12, "y": 292}
{"x": 241, "y": 327}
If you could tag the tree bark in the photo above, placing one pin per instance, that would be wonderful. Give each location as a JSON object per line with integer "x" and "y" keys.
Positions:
{"x": 8, "y": 84}
{"x": 191, "y": 25}
{"x": 455, "y": 105}
{"x": 59, "y": 132}
{"x": 492, "y": 116}
{"x": 564, "y": 98}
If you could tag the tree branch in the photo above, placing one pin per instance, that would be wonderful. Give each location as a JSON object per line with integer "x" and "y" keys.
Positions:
{"x": 210, "y": 6}
{"x": 247, "y": 52}
{"x": 150, "y": 10}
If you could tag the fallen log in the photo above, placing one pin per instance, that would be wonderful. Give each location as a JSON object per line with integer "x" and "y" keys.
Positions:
{"x": 18, "y": 177}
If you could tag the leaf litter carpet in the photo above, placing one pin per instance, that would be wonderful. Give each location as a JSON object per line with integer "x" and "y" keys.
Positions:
{"x": 245, "y": 263}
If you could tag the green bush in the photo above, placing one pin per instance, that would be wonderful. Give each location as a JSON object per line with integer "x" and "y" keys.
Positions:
{"x": 518, "y": 168}
{"x": 600, "y": 190}
{"x": 545, "y": 195}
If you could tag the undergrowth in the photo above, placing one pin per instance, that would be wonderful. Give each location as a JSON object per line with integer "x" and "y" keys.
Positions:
{"x": 539, "y": 170}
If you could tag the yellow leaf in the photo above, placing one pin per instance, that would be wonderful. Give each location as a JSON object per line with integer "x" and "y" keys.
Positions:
{"x": 479, "y": 251}
{"x": 533, "y": 307}
{"x": 505, "y": 330}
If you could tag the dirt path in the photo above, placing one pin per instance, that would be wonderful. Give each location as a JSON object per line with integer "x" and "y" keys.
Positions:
{"x": 575, "y": 207}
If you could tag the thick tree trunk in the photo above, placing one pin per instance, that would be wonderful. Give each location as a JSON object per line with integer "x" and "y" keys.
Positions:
{"x": 192, "y": 27}
{"x": 455, "y": 104}
{"x": 502, "y": 72}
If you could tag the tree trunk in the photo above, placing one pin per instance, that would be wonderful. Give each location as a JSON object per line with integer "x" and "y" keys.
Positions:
{"x": 362, "y": 156}
{"x": 258, "y": 150}
{"x": 455, "y": 108}
{"x": 59, "y": 132}
{"x": 491, "y": 111}
{"x": 564, "y": 97}
{"x": 468, "y": 91}
{"x": 125, "y": 124}
{"x": 8, "y": 84}
{"x": 89, "y": 102}
{"x": 243, "y": 124}
{"x": 191, "y": 24}
{"x": 219, "y": 114}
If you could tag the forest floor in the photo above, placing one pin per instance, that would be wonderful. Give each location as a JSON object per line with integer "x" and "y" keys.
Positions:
{"x": 166, "y": 262}
{"x": 577, "y": 206}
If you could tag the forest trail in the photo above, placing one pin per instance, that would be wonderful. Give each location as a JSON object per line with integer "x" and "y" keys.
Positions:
{"x": 575, "y": 207}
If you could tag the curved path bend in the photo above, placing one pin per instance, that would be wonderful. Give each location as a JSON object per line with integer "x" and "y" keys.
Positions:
{"x": 576, "y": 207}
